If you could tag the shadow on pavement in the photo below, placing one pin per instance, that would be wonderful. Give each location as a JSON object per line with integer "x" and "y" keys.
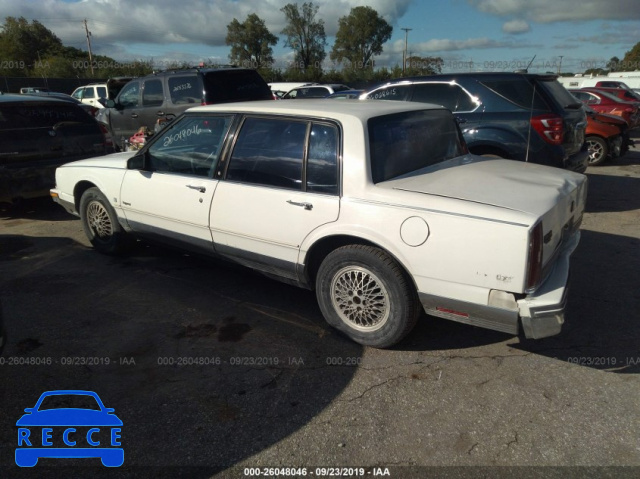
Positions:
{"x": 205, "y": 364}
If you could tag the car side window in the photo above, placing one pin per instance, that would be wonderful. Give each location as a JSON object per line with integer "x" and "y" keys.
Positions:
{"x": 102, "y": 92}
{"x": 189, "y": 147}
{"x": 89, "y": 92}
{"x": 452, "y": 97}
{"x": 130, "y": 95}
{"x": 184, "y": 90}
{"x": 395, "y": 92}
{"x": 322, "y": 160}
{"x": 269, "y": 152}
{"x": 152, "y": 94}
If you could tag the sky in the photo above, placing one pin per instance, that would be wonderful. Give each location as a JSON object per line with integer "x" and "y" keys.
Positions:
{"x": 469, "y": 35}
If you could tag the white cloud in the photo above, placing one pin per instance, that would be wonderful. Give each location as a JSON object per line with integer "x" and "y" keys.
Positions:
{"x": 516, "y": 27}
{"x": 550, "y": 11}
{"x": 170, "y": 21}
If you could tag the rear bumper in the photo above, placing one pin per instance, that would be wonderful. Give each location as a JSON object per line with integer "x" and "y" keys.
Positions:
{"x": 579, "y": 161}
{"x": 542, "y": 313}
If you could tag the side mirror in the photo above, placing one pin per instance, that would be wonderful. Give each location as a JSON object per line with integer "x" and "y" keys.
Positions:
{"x": 29, "y": 410}
{"x": 109, "y": 410}
{"x": 136, "y": 162}
{"x": 109, "y": 104}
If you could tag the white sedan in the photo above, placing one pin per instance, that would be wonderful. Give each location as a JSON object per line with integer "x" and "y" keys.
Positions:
{"x": 376, "y": 205}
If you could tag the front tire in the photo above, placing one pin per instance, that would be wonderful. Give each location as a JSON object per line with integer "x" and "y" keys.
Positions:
{"x": 100, "y": 223}
{"x": 366, "y": 294}
{"x": 598, "y": 150}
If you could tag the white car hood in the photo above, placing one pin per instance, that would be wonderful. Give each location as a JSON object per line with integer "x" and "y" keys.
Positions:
{"x": 114, "y": 160}
{"x": 525, "y": 187}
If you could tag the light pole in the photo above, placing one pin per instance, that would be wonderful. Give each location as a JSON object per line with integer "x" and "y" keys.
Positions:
{"x": 404, "y": 53}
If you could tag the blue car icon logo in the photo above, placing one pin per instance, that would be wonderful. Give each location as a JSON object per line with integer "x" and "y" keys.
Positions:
{"x": 69, "y": 424}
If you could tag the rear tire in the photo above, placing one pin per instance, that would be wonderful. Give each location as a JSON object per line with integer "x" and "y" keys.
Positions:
{"x": 598, "y": 150}
{"x": 366, "y": 294}
{"x": 100, "y": 223}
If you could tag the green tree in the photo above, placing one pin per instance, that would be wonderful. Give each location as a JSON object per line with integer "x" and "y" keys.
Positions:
{"x": 250, "y": 42}
{"x": 307, "y": 37}
{"x": 631, "y": 60}
{"x": 23, "y": 44}
{"x": 360, "y": 36}
{"x": 612, "y": 65}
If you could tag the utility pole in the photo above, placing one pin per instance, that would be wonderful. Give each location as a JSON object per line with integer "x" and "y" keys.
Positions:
{"x": 86, "y": 29}
{"x": 404, "y": 53}
{"x": 560, "y": 66}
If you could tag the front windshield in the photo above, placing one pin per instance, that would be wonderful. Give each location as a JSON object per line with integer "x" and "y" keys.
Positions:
{"x": 409, "y": 141}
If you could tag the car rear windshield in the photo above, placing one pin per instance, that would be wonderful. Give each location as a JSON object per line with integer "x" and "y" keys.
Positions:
{"x": 404, "y": 142}
{"x": 41, "y": 115}
{"x": 229, "y": 86}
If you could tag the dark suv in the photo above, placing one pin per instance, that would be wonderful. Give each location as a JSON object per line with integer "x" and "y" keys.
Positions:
{"x": 164, "y": 95}
{"x": 519, "y": 116}
{"x": 38, "y": 134}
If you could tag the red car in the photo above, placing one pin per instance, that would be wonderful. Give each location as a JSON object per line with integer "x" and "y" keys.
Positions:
{"x": 623, "y": 93}
{"x": 606, "y": 136}
{"x": 604, "y": 102}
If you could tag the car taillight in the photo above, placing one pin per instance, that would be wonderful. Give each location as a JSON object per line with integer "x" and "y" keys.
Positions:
{"x": 549, "y": 127}
{"x": 534, "y": 261}
{"x": 108, "y": 141}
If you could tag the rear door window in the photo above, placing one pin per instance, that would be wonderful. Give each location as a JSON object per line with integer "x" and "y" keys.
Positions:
{"x": 452, "y": 97}
{"x": 102, "y": 92}
{"x": 395, "y": 92}
{"x": 269, "y": 152}
{"x": 152, "y": 95}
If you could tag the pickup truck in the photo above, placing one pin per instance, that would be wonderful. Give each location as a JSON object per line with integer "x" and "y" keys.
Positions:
{"x": 377, "y": 206}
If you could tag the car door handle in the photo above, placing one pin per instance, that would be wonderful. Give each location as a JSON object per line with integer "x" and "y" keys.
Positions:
{"x": 160, "y": 113}
{"x": 134, "y": 115}
{"x": 200, "y": 189}
{"x": 306, "y": 206}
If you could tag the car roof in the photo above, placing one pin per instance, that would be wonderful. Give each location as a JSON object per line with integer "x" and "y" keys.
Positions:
{"x": 361, "y": 109}
{"x": 25, "y": 97}
{"x": 478, "y": 75}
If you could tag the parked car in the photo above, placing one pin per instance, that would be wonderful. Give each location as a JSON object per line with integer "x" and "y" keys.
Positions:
{"x": 315, "y": 90}
{"x": 345, "y": 95}
{"x": 164, "y": 95}
{"x": 604, "y": 139}
{"x": 518, "y": 116}
{"x": 96, "y": 94}
{"x": 376, "y": 205}
{"x": 32, "y": 89}
{"x": 604, "y": 102}
{"x": 622, "y": 93}
{"x": 37, "y": 134}
{"x": 280, "y": 89}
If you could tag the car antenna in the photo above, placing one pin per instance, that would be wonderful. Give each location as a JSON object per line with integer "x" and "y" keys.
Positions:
{"x": 533, "y": 96}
